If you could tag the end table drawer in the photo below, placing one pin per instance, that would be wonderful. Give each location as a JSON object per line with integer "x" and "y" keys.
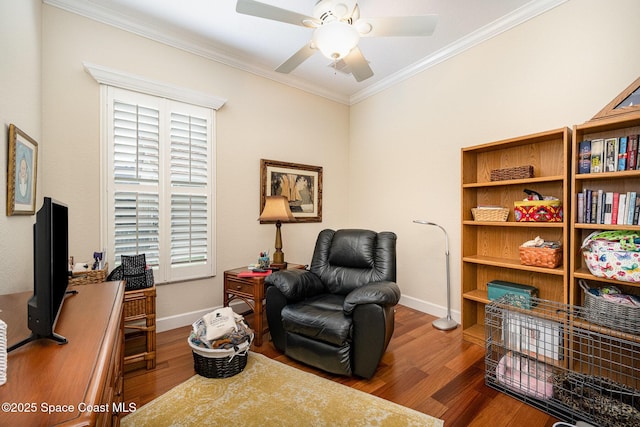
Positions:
{"x": 236, "y": 286}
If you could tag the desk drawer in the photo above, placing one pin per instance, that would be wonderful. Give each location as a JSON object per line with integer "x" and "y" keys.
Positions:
{"x": 236, "y": 286}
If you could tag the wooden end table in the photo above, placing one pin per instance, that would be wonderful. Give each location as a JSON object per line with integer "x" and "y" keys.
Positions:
{"x": 251, "y": 291}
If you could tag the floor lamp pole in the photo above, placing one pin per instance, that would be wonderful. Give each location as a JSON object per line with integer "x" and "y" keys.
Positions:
{"x": 445, "y": 323}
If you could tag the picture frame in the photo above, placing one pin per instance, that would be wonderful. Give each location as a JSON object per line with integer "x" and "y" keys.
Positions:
{"x": 22, "y": 173}
{"x": 301, "y": 184}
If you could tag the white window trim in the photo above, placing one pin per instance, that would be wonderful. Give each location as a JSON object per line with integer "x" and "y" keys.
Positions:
{"x": 121, "y": 79}
{"x": 108, "y": 77}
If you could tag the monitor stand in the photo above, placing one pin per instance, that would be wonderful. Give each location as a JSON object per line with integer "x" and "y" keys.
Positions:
{"x": 33, "y": 337}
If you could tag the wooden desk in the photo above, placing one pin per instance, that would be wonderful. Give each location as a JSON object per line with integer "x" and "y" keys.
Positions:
{"x": 85, "y": 374}
{"x": 251, "y": 291}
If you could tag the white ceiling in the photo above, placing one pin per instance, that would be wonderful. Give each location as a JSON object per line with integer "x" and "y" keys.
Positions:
{"x": 212, "y": 28}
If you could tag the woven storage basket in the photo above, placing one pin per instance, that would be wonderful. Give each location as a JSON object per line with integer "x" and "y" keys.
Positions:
{"x": 620, "y": 317}
{"x": 219, "y": 363}
{"x": 541, "y": 257}
{"x": 490, "y": 214}
{"x": 517, "y": 172}
{"x": 90, "y": 276}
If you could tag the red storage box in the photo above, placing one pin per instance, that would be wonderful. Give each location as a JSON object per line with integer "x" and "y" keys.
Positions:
{"x": 538, "y": 211}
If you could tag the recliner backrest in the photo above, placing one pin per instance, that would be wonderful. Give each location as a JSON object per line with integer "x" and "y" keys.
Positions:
{"x": 349, "y": 258}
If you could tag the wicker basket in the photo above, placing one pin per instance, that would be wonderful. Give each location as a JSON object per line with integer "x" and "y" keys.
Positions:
{"x": 541, "y": 257}
{"x": 219, "y": 363}
{"x": 490, "y": 214}
{"x": 518, "y": 172}
{"x": 620, "y": 317}
{"x": 90, "y": 276}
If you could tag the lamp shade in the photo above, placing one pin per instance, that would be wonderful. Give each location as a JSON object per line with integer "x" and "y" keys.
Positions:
{"x": 276, "y": 208}
{"x": 335, "y": 39}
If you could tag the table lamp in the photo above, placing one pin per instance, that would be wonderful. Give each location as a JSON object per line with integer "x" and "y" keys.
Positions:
{"x": 276, "y": 208}
{"x": 445, "y": 323}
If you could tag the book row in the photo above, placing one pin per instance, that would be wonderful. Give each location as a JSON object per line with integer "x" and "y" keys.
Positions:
{"x": 608, "y": 207}
{"x": 608, "y": 154}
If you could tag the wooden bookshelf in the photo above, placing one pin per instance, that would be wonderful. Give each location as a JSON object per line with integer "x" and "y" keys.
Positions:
{"x": 490, "y": 250}
{"x": 621, "y": 181}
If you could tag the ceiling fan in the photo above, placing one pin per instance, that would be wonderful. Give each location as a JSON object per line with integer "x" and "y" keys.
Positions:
{"x": 337, "y": 29}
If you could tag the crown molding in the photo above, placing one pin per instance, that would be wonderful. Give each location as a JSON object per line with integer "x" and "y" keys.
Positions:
{"x": 199, "y": 46}
{"x": 187, "y": 42}
{"x": 505, "y": 23}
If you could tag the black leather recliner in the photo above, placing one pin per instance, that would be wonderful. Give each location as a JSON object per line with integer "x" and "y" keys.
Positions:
{"x": 337, "y": 316}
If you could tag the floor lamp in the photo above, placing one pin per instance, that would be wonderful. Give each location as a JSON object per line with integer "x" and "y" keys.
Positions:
{"x": 445, "y": 323}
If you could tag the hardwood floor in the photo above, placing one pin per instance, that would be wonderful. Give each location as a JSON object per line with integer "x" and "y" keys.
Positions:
{"x": 426, "y": 369}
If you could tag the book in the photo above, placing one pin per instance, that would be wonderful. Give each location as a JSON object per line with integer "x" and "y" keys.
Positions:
{"x": 610, "y": 154}
{"x": 587, "y": 206}
{"x": 632, "y": 151}
{"x": 584, "y": 157}
{"x": 636, "y": 212}
{"x": 622, "y": 153}
{"x": 580, "y": 208}
{"x": 250, "y": 273}
{"x": 599, "y": 207}
{"x": 608, "y": 202}
{"x": 614, "y": 208}
{"x": 631, "y": 206}
{"x": 594, "y": 207}
{"x": 597, "y": 150}
{"x": 622, "y": 206}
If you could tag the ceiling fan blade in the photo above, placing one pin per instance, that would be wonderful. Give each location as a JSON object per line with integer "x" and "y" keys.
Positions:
{"x": 298, "y": 58}
{"x": 266, "y": 11}
{"x": 398, "y": 26}
{"x": 358, "y": 65}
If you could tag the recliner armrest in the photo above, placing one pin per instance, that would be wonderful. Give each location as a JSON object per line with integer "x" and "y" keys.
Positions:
{"x": 382, "y": 293}
{"x": 296, "y": 284}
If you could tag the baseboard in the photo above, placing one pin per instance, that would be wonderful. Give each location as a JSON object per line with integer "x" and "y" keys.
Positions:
{"x": 429, "y": 308}
{"x": 186, "y": 319}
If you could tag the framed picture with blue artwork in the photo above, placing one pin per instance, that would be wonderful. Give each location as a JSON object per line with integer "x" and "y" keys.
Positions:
{"x": 22, "y": 173}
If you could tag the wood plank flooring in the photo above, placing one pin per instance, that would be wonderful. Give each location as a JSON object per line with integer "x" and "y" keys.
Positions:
{"x": 426, "y": 369}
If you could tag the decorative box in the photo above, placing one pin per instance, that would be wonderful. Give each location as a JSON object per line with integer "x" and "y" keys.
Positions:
{"x": 538, "y": 211}
{"x": 518, "y": 172}
{"x": 522, "y": 294}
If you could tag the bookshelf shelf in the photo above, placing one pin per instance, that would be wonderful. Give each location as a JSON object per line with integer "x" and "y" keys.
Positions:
{"x": 511, "y": 263}
{"x": 529, "y": 181}
{"x": 514, "y": 224}
{"x": 490, "y": 250}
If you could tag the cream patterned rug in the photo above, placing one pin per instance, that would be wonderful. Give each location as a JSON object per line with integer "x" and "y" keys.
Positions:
{"x": 270, "y": 393}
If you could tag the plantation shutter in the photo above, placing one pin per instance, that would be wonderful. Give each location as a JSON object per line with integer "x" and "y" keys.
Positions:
{"x": 160, "y": 184}
{"x": 136, "y": 152}
{"x": 189, "y": 182}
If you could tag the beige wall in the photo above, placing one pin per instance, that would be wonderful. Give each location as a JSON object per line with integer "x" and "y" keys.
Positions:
{"x": 387, "y": 160}
{"x": 556, "y": 70}
{"x": 261, "y": 119}
{"x": 20, "y": 104}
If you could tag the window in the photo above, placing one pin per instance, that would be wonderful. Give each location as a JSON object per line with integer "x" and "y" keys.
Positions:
{"x": 159, "y": 184}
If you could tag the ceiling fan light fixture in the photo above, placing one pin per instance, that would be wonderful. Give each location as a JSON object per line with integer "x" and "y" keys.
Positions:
{"x": 335, "y": 39}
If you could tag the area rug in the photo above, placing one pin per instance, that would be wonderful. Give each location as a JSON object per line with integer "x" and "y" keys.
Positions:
{"x": 270, "y": 393}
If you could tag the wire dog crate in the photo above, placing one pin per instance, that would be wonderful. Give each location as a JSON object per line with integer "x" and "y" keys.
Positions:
{"x": 552, "y": 358}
